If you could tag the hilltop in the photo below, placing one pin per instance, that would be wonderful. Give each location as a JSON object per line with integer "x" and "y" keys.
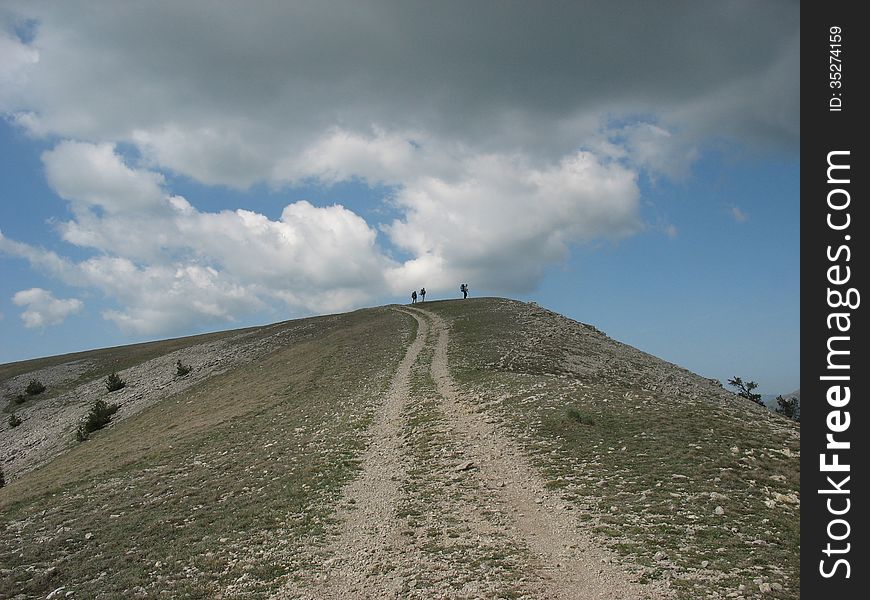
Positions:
{"x": 485, "y": 448}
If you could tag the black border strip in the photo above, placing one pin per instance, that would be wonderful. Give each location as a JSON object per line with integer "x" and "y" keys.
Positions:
{"x": 834, "y": 227}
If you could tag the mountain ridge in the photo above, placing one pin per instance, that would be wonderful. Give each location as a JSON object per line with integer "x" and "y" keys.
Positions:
{"x": 610, "y": 435}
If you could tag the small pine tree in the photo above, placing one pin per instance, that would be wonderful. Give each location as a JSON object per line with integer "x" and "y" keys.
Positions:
{"x": 787, "y": 408}
{"x": 114, "y": 382}
{"x": 181, "y": 369}
{"x": 98, "y": 417}
{"x": 744, "y": 389}
{"x": 14, "y": 420}
{"x": 82, "y": 433}
{"x": 34, "y": 387}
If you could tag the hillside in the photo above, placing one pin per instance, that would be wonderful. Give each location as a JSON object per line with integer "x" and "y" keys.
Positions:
{"x": 485, "y": 448}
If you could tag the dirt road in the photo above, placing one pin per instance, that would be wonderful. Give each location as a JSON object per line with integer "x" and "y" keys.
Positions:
{"x": 448, "y": 506}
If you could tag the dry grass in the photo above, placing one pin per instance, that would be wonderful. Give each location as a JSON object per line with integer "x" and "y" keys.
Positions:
{"x": 444, "y": 512}
{"x": 649, "y": 467}
{"x": 223, "y": 489}
{"x": 214, "y": 488}
{"x": 98, "y": 363}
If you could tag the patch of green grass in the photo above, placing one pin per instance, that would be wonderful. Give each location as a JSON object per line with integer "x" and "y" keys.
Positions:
{"x": 229, "y": 496}
{"x": 431, "y": 494}
{"x": 649, "y": 467}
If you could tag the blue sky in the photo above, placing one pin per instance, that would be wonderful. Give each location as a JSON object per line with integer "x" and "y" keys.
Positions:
{"x": 168, "y": 170}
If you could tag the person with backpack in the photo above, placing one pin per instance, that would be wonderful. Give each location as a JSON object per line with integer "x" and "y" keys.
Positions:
{"x": 464, "y": 289}
{"x": 423, "y": 295}
{"x": 414, "y": 297}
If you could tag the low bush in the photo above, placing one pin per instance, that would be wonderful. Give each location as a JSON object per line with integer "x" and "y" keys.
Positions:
{"x": 34, "y": 387}
{"x": 181, "y": 369}
{"x": 744, "y": 389}
{"x": 98, "y": 417}
{"x": 574, "y": 415}
{"x": 788, "y": 407}
{"x": 14, "y": 420}
{"x": 20, "y": 399}
{"x": 2, "y": 478}
{"x": 114, "y": 382}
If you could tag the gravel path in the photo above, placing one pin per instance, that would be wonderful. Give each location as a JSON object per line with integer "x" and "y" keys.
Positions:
{"x": 574, "y": 567}
{"x": 366, "y": 554}
{"x": 447, "y": 506}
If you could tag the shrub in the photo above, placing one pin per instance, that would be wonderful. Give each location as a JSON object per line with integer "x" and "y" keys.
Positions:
{"x": 20, "y": 399}
{"x": 114, "y": 382}
{"x": 744, "y": 389}
{"x": 34, "y": 387}
{"x": 2, "y": 478}
{"x": 181, "y": 369}
{"x": 14, "y": 420}
{"x": 788, "y": 407}
{"x": 99, "y": 416}
{"x": 574, "y": 415}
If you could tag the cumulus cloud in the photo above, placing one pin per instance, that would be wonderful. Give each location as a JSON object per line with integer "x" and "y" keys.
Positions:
{"x": 232, "y": 95}
{"x": 499, "y": 156}
{"x": 166, "y": 264}
{"x": 92, "y": 175}
{"x": 15, "y": 59}
{"x": 495, "y": 219}
{"x": 43, "y": 309}
{"x": 503, "y": 220}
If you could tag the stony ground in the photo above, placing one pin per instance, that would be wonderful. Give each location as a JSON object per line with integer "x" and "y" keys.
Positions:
{"x": 447, "y": 506}
{"x": 48, "y": 425}
{"x": 479, "y": 449}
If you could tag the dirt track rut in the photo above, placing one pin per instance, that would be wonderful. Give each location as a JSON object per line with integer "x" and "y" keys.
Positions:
{"x": 448, "y": 506}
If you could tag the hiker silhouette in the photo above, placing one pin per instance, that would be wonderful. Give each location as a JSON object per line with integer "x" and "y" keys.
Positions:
{"x": 464, "y": 289}
{"x": 423, "y": 295}
{"x": 414, "y": 297}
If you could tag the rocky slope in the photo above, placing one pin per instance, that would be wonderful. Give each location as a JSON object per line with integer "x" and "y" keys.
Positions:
{"x": 467, "y": 449}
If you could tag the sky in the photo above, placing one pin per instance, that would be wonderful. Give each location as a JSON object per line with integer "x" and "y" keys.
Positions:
{"x": 170, "y": 168}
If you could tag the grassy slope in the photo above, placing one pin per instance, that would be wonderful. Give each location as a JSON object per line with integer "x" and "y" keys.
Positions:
{"x": 217, "y": 487}
{"x": 651, "y": 467}
{"x": 101, "y": 362}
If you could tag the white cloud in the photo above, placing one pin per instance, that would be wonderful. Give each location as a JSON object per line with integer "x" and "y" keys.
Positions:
{"x": 159, "y": 299}
{"x": 656, "y": 149}
{"x": 43, "y": 308}
{"x": 503, "y": 220}
{"x": 15, "y": 59}
{"x": 478, "y": 139}
{"x": 232, "y": 97}
{"x": 497, "y": 220}
{"x": 93, "y": 175}
{"x": 339, "y": 155}
{"x": 738, "y": 215}
{"x": 167, "y": 264}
